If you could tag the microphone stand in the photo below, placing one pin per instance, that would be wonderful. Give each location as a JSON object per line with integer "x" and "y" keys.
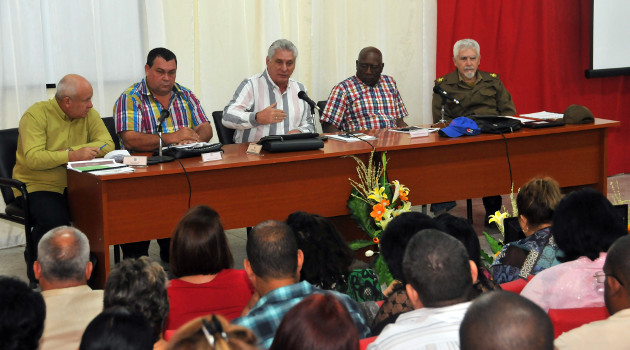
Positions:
{"x": 442, "y": 120}
{"x": 160, "y": 158}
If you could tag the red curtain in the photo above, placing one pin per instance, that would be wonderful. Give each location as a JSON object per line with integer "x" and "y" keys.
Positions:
{"x": 540, "y": 49}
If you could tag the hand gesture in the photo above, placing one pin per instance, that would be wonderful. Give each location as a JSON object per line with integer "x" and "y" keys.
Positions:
{"x": 270, "y": 115}
{"x": 85, "y": 153}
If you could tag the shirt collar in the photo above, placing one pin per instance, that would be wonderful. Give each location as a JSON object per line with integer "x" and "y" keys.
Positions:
{"x": 360, "y": 82}
{"x": 58, "y": 109}
{"x": 144, "y": 89}
{"x": 477, "y": 75}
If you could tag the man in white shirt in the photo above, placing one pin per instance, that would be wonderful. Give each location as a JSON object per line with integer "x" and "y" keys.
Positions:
{"x": 267, "y": 103}
{"x": 611, "y": 333}
{"x": 63, "y": 268}
{"x": 440, "y": 278}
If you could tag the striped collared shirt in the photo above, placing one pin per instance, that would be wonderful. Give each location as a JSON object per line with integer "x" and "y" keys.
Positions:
{"x": 352, "y": 105}
{"x": 257, "y": 93}
{"x": 137, "y": 110}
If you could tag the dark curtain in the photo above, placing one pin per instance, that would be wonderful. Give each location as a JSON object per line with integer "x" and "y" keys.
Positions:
{"x": 540, "y": 49}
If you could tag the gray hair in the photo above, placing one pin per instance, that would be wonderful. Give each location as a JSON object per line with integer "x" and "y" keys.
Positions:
{"x": 63, "y": 262}
{"x": 282, "y": 44}
{"x": 466, "y": 44}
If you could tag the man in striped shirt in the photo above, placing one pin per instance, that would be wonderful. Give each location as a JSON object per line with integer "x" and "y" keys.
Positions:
{"x": 368, "y": 100}
{"x": 137, "y": 110}
{"x": 268, "y": 103}
{"x": 439, "y": 281}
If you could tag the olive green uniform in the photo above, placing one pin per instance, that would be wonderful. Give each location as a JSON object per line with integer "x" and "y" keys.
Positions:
{"x": 487, "y": 97}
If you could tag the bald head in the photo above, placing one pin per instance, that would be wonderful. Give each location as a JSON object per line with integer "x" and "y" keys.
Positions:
{"x": 63, "y": 255}
{"x": 370, "y": 65}
{"x": 74, "y": 96}
{"x": 513, "y": 321}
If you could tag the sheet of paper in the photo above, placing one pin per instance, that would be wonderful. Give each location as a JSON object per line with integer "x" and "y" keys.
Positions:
{"x": 353, "y": 137}
{"x": 543, "y": 115}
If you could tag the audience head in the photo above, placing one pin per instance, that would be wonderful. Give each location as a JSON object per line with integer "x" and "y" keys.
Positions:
{"x": 139, "y": 285}
{"x": 160, "y": 71}
{"x": 617, "y": 276}
{"x": 118, "y": 328}
{"x": 22, "y": 314}
{"x": 466, "y": 57}
{"x": 74, "y": 96}
{"x": 280, "y": 61}
{"x": 327, "y": 256}
{"x": 501, "y": 320}
{"x": 585, "y": 223}
{"x": 370, "y": 65}
{"x": 272, "y": 252}
{"x": 63, "y": 258}
{"x": 461, "y": 229}
{"x": 536, "y": 201}
{"x": 199, "y": 244}
{"x": 437, "y": 270}
{"x": 396, "y": 236}
{"x": 319, "y": 321}
{"x": 212, "y": 332}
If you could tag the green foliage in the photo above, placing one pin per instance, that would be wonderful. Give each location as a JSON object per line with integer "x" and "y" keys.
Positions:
{"x": 382, "y": 270}
{"x": 360, "y": 243}
{"x": 495, "y": 245}
{"x": 360, "y": 213}
{"x": 486, "y": 259}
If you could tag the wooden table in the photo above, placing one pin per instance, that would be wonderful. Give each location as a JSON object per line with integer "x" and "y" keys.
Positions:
{"x": 246, "y": 189}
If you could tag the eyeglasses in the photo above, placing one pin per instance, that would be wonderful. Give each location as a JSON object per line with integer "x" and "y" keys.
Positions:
{"x": 600, "y": 277}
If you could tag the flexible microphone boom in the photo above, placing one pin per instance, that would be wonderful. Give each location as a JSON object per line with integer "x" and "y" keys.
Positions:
{"x": 302, "y": 95}
{"x": 438, "y": 90}
{"x": 163, "y": 115}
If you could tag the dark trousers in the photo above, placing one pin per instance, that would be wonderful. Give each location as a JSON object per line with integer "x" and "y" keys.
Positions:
{"x": 47, "y": 210}
{"x": 492, "y": 204}
{"x": 138, "y": 249}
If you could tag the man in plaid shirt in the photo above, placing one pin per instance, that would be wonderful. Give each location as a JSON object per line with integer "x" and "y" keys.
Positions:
{"x": 368, "y": 100}
{"x": 273, "y": 264}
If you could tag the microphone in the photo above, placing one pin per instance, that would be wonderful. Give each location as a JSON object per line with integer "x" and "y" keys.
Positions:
{"x": 302, "y": 95}
{"x": 438, "y": 90}
{"x": 163, "y": 115}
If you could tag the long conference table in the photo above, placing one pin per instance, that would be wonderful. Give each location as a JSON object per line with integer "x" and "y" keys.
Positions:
{"x": 246, "y": 189}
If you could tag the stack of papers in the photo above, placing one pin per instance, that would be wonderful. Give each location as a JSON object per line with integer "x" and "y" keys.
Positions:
{"x": 99, "y": 166}
{"x": 543, "y": 115}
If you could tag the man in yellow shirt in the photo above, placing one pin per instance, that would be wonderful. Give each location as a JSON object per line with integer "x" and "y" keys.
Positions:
{"x": 51, "y": 134}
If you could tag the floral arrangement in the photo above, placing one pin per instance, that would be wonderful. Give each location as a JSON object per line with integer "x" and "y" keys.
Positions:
{"x": 497, "y": 218}
{"x": 373, "y": 203}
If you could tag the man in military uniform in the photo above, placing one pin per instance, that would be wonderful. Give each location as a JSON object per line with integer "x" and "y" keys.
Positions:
{"x": 478, "y": 93}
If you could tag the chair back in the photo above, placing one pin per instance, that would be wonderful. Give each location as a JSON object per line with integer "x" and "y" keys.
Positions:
{"x": 363, "y": 343}
{"x": 564, "y": 320}
{"x": 226, "y": 135}
{"x": 321, "y": 105}
{"x": 8, "y": 147}
{"x": 516, "y": 286}
{"x": 111, "y": 127}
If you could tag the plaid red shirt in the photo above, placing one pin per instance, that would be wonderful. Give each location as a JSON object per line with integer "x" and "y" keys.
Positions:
{"x": 352, "y": 105}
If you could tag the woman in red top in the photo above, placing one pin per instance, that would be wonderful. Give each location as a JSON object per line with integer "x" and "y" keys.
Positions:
{"x": 202, "y": 262}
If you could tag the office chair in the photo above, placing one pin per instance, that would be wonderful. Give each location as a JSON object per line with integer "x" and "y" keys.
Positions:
{"x": 13, "y": 212}
{"x": 226, "y": 135}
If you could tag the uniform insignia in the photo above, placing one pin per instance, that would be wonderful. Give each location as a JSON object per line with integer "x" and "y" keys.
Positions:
{"x": 493, "y": 75}
{"x": 440, "y": 79}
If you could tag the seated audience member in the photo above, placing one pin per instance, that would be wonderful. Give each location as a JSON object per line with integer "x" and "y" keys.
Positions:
{"x": 439, "y": 283}
{"x": 202, "y": 262}
{"x": 63, "y": 268}
{"x": 612, "y": 333}
{"x": 22, "y": 313}
{"x": 140, "y": 285}
{"x": 520, "y": 324}
{"x": 273, "y": 265}
{"x": 585, "y": 224}
{"x": 464, "y": 232}
{"x": 535, "y": 202}
{"x": 212, "y": 332}
{"x": 393, "y": 243}
{"x": 118, "y": 328}
{"x": 327, "y": 259}
{"x": 367, "y": 100}
{"x": 317, "y": 322}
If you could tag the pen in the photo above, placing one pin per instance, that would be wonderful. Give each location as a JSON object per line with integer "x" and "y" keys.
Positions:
{"x": 103, "y": 146}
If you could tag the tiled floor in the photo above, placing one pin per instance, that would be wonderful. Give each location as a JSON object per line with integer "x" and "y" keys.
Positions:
{"x": 12, "y": 260}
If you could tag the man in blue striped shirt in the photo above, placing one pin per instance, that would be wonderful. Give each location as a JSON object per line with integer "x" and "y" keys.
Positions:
{"x": 273, "y": 264}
